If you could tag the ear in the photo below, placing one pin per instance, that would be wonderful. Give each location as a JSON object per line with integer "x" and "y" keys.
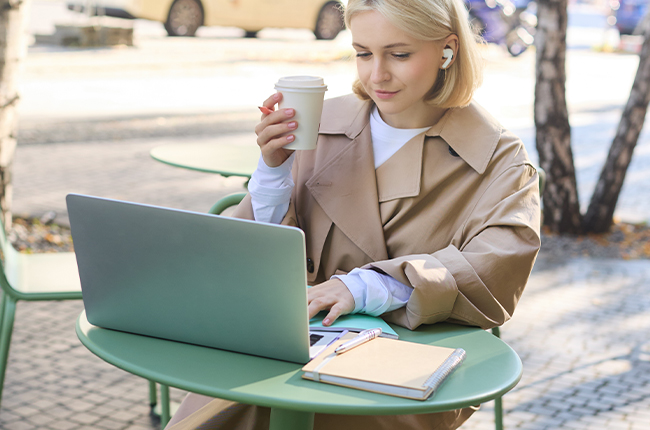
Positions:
{"x": 449, "y": 52}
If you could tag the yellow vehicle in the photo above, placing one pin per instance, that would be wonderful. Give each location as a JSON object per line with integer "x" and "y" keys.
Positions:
{"x": 184, "y": 17}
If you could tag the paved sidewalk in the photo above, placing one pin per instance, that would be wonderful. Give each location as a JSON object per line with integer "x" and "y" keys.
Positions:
{"x": 121, "y": 169}
{"x": 581, "y": 330}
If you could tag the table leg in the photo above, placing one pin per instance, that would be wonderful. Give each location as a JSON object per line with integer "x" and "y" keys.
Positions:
{"x": 285, "y": 419}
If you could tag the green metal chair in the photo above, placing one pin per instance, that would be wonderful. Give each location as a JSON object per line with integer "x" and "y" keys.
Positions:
{"x": 226, "y": 202}
{"x": 37, "y": 277}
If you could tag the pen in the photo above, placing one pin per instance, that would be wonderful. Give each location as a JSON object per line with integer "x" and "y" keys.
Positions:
{"x": 363, "y": 337}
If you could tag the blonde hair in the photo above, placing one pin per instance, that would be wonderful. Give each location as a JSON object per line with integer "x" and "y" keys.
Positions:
{"x": 433, "y": 20}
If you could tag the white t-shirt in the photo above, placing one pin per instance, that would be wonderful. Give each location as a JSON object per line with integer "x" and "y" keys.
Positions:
{"x": 270, "y": 188}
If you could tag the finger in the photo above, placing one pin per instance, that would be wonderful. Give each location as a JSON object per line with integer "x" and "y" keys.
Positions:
{"x": 272, "y": 101}
{"x": 275, "y": 130}
{"x": 269, "y": 105}
{"x": 275, "y": 117}
{"x": 315, "y": 306}
{"x": 277, "y": 144}
{"x": 333, "y": 315}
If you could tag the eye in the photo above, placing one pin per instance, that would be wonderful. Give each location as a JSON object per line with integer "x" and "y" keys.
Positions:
{"x": 402, "y": 55}
{"x": 363, "y": 54}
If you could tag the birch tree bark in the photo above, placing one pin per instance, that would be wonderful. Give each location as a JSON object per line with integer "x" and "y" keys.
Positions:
{"x": 13, "y": 19}
{"x": 600, "y": 214}
{"x": 553, "y": 132}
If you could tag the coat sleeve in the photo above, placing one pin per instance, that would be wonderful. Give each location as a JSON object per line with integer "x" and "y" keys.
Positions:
{"x": 478, "y": 279}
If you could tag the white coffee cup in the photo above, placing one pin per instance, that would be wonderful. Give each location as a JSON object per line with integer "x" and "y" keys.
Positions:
{"x": 305, "y": 95}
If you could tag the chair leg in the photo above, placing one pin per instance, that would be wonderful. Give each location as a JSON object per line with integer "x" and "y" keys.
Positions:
{"x": 496, "y": 331}
{"x": 498, "y": 402}
{"x": 2, "y": 307}
{"x": 165, "y": 413}
{"x": 498, "y": 413}
{"x": 9, "y": 312}
{"x": 153, "y": 395}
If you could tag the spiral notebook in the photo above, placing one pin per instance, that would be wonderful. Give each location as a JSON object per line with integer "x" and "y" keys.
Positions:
{"x": 387, "y": 366}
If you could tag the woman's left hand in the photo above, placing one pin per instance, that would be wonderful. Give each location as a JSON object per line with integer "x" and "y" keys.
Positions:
{"x": 331, "y": 295}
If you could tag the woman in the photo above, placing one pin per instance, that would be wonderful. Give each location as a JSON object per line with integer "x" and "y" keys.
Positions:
{"x": 416, "y": 204}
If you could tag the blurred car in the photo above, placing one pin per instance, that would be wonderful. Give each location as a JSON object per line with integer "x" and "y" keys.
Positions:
{"x": 628, "y": 14}
{"x": 184, "y": 17}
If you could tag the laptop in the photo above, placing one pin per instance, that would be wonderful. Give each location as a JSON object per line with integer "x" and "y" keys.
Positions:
{"x": 204, "y": 279}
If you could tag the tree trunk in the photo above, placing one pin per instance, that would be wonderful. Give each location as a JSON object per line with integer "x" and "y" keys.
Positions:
{"x": 553, "y": 132}
{"x": 600, "y": 213}
{"x": 13, "y": 17}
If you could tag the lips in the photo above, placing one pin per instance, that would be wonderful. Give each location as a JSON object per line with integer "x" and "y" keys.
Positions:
{"x": 385, "y": 94}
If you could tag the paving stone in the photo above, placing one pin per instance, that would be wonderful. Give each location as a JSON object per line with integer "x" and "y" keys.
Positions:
{"x": 137, "y": 427}
{"x": 59, "y": 412}
{"x": 109, "y": 424}
{"x": 617, "y": 425}
{"x": 80, "y": 405}
{"x": 63, "y": 425}
{"x": 104, "y": 411}
{"x": 126, "y": 415}
{"x": 26, "y": 411}
{"x": 85, "y": 418}
{"x": 638, "y": 417}
{"x": 19, "y": 425}
{"x": 577, "y": 425}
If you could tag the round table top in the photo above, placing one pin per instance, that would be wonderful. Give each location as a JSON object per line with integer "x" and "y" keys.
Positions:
{"x": 222, "y": 158}
{"x": 490, "y": 369}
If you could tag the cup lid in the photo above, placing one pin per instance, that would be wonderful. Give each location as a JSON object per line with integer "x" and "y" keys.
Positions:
{"x": 300, "y": 82}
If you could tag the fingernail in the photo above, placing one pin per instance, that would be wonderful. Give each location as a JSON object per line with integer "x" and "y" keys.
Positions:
{"x": 276, "y": 96}
{"x": 326, "y": 321}
{"x": 292, "y": 124}
{"x": 291, "y": 137}
{"x": 289, "y": 112}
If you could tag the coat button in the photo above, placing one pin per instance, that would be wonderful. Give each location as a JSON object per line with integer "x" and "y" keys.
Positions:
{"x": 310, "y": 265}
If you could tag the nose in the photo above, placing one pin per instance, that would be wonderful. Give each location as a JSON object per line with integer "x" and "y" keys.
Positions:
{"x": 379, "y": 72}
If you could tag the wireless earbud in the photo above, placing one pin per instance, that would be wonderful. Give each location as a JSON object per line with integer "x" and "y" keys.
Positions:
{"x": 448, "y": 54}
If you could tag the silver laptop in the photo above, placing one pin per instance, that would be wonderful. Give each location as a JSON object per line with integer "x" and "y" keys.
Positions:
{"x": 204, "y": 279}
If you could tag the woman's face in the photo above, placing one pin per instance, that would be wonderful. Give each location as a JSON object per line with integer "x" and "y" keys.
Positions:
{"x": 396, "y": 70}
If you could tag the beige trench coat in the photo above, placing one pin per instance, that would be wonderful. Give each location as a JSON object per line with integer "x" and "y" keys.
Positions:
{"x": 454, "y": 213}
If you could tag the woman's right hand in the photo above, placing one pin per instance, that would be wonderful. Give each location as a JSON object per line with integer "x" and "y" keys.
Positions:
{"x": 271, "y": 131}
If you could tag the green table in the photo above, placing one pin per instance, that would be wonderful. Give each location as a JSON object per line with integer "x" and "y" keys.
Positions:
{"x": 221, "y": 158}
{"x": 491, "y": 369}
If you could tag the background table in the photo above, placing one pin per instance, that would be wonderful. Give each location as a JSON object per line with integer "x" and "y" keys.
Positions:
{"x": 221, "y": 158}
{"x": 491, "y": 369}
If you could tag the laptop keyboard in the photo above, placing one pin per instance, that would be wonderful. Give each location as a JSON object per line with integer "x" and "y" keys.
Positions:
{"x": 313, "y": 338}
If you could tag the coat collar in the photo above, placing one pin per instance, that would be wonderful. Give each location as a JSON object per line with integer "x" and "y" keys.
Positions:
{"x": 345, "y": 115}
{"x": 470, "y": 131}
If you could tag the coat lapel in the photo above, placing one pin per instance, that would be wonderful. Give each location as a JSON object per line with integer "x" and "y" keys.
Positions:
{"x": 346, "y": 190}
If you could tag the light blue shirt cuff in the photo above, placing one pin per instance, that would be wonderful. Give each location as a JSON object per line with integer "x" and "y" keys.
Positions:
{"x": 270, "y": 189}
{"x": 375, "y": 293}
